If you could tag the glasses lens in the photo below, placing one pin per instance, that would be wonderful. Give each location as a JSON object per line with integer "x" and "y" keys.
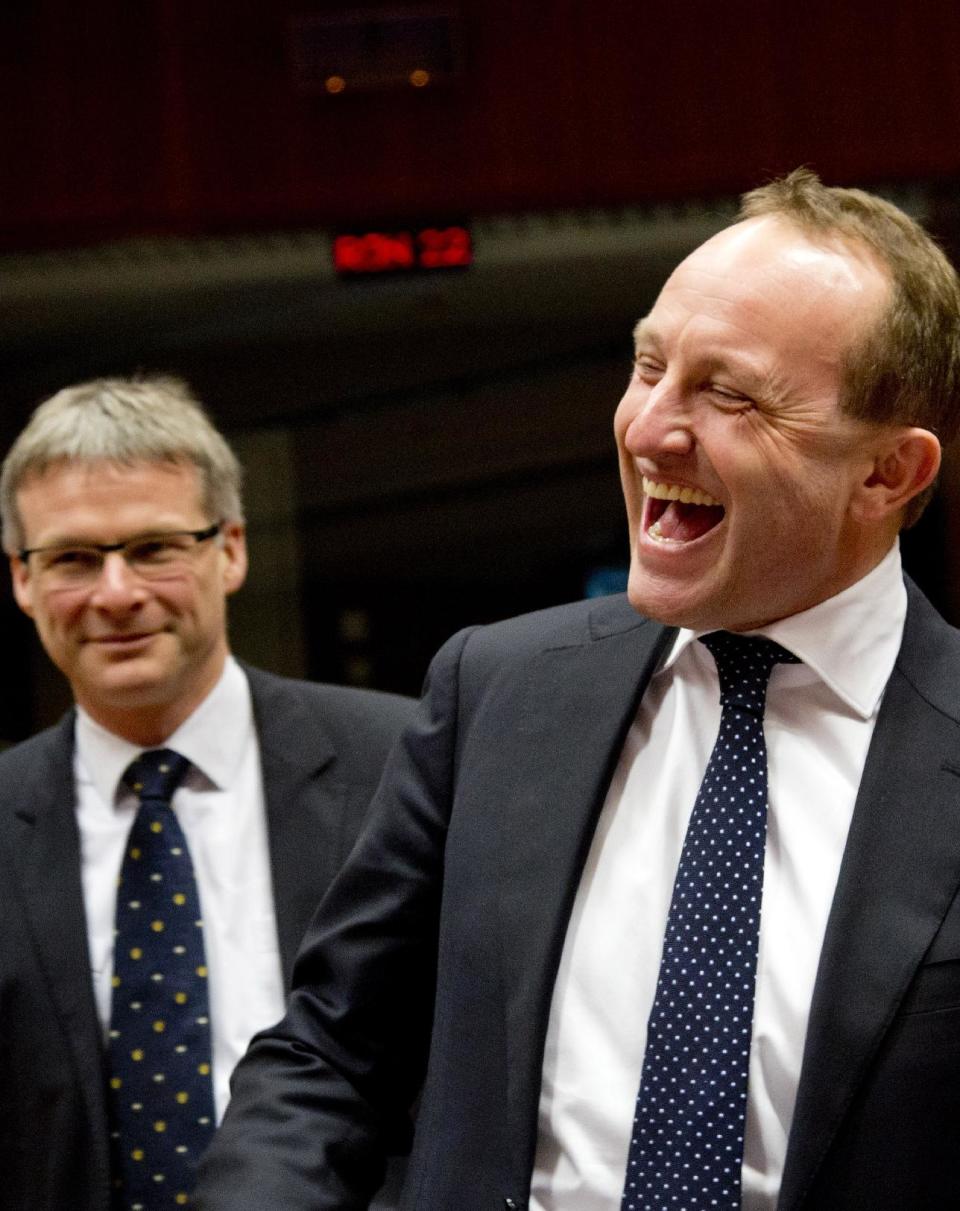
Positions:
{"x": 153, "y": 555}
{"x": 70, "y": 565}
{"x": 159, "y": 553}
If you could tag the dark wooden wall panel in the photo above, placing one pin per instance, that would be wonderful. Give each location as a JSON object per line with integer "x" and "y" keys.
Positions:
{"x": 182, "y": 115}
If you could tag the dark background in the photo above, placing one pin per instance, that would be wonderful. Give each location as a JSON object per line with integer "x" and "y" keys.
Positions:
{"x": 424, "y": 451}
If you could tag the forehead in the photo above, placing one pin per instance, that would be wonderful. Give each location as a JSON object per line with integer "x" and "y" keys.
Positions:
{"x": 765, "y": 281}
{"x": 84, "y": 498}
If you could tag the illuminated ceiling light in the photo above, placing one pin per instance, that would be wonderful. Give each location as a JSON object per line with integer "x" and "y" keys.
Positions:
{"x": 335, "y": 84}
{"x": 377, "y": 49}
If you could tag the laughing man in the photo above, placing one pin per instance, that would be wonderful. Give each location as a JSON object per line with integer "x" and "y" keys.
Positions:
{"x": 640, "y": 938}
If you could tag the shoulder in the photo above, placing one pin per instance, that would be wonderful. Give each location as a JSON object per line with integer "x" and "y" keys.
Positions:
{"x": 49, "y": 748}
{"x": 929, "y": 655}
{"x": 38, "y": 771}
{"x": 571, "y": 625}
{"x": 493, "y": 662}
{"x": 341, "y": 709}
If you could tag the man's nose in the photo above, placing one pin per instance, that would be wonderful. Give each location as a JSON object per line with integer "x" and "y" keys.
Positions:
{"x": 658, "y": 420}
{"x": 117, "y": 584}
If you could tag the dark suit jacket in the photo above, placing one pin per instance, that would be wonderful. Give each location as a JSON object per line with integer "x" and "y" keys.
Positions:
{"x": 322, "y": 749}
{"x": 449, "y": 920}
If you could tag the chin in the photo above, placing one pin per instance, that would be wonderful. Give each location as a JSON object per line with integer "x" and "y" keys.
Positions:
{"x": 667, "y": 604}
{"x": 128, "y": 685}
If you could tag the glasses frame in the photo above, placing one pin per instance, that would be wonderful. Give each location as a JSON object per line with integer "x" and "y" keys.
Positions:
{"x": 106, "y": 548}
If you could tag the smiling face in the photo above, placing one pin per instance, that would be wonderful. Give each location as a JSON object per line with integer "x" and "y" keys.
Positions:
{"x": 750, "y": 494}
{"x": 140, "y": 655}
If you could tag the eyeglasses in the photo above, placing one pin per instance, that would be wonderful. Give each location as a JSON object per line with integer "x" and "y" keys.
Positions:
{"x": 152, "y": 556}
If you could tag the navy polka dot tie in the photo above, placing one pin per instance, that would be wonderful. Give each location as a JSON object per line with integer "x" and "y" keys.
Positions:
{"x": 159, "y": 1057}
{"x": 686, "y": 1150}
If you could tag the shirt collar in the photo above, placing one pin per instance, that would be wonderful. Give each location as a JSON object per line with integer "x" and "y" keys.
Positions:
{"x": 213, "y": 738}
{"x": 850, "y": 641}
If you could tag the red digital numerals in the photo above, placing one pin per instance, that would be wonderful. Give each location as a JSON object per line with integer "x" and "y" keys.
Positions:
{"x": 444, "y": 247}
{"x": 393, "y": 251}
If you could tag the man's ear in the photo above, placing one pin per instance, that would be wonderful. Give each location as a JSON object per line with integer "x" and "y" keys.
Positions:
{"x": 234, "y": 556}
{"x": 22, "y": 585}
{"x": 906, "y": 461}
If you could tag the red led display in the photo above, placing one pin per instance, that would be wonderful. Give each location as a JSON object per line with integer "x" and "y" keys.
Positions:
{"x": 401, "y": 251}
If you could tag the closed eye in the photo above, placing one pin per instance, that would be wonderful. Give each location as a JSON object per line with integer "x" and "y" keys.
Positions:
{"x": 648, "y": 368}
{"x": 729, "y": 399}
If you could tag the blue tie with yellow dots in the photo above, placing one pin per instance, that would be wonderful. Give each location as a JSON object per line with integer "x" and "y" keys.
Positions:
{"x": 159, "y": 1056}
{"x": 686, "y": 1150}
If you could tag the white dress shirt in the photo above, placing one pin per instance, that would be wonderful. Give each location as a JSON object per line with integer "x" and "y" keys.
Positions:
{"x": 220, "y": 806}
{"x": 818, "y": 724}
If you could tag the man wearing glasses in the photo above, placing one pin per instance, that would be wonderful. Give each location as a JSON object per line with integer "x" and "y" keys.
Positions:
{"x": 161, "y": 848}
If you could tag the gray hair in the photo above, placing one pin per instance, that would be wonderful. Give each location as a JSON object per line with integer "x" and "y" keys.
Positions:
{"x": 124, "y": 421}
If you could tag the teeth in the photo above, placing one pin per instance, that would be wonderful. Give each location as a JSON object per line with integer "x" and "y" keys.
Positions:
{"x": 686, "y": 496}
{"x": 656, "y": 533}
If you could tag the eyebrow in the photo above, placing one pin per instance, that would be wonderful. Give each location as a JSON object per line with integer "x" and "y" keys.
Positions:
{"x": 70, "y": 541}
{"x": 643, "y": 331}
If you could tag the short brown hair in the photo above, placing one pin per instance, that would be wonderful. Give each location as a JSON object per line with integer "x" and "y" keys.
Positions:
{"x": 906, "y": 370}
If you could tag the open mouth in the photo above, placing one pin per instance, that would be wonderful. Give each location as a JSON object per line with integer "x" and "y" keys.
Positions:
{"x": 677, "y": 515}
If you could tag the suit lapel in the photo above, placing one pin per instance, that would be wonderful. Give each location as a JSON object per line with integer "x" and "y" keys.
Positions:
{"x": 302, "y": 799}
{"x": 580, "y": 701}
{"x": 900, "y": 870}
{"x": 45, "y": 846}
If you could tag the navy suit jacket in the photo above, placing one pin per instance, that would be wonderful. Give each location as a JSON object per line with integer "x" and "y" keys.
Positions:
{"x": 434, "y": 955}
{"x": 322, "y": 750}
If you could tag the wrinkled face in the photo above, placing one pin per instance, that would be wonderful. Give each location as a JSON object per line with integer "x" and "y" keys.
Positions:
{"x": 140, "y": 654}
{"x": 739, "y": 469}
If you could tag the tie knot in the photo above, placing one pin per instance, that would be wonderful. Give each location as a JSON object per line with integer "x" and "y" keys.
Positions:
{"x": 156, "y": 774}
{"x": 744, "y": 664}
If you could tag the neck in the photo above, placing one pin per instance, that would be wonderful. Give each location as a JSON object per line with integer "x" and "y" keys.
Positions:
{"x": 149, "y": 722}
